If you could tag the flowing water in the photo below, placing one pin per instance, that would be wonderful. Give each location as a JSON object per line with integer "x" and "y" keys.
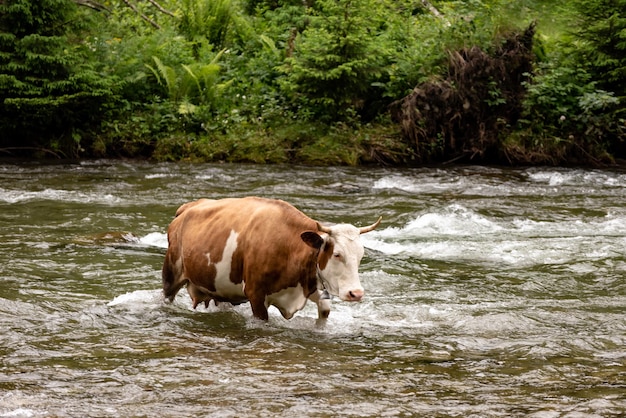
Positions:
{"x": 489, "y": 293}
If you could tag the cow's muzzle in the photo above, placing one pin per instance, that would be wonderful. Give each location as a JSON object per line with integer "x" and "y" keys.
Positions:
{"x": 354, "y": 295}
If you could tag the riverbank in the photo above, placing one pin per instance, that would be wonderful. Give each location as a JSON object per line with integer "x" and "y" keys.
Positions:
{"x": 345, "y": 145}
{"x": 379, "y": 144}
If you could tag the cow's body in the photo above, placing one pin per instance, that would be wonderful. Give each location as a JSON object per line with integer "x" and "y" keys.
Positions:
{"x": 263, "y": 251}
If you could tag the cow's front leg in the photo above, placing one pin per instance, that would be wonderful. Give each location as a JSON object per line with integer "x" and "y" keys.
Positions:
{"x": 259, "y": 309}
{"x": 322, "y": 300}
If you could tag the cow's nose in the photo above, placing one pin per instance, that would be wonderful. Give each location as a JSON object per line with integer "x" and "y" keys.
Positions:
{"x": 355, "y": 295}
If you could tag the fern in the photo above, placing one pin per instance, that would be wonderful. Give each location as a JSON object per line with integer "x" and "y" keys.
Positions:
{"x": 194, "y": 84}
{"x": 207, "y": 19}
{"x": 166, "y": 76}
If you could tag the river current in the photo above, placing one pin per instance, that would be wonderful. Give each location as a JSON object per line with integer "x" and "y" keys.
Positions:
{"x": 488, "y": 293}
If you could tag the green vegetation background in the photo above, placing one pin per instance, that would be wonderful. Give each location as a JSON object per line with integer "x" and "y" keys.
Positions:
{"x": 315, "y": 81}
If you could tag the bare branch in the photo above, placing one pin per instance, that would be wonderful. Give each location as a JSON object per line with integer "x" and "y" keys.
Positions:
{"x": 161, "y": 8}
{"x": 143, "y": 16}
{"x": 92, "y": 5}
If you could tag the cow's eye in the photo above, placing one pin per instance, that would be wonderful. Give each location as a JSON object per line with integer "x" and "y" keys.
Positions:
{"x": 337, "y": 256}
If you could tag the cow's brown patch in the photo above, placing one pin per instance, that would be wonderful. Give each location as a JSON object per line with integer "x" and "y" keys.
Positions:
{"x": 326, "y": 254}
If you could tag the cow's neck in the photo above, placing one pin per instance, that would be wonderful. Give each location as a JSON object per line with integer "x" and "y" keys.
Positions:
{"x": 321, "y": 281}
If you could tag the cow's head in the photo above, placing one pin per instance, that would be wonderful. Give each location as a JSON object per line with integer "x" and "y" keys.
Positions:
{"x": 340, "y": 253}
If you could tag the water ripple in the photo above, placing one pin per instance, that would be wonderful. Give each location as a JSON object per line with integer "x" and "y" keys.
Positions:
{"x": 489, "y": 292}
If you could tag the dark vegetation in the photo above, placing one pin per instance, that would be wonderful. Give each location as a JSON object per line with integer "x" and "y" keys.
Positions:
{"x": 468, "y": 113}
{"x": 315, "y": 81}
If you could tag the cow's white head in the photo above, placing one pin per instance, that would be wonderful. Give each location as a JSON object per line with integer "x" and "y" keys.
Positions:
{"x": 340, "y": 253}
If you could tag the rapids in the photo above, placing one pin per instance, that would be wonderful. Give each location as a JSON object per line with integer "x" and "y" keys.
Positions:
{"x": 489, "y": 292}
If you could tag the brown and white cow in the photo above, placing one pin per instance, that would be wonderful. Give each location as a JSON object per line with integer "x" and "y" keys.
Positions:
{"x": 263, "y": 251}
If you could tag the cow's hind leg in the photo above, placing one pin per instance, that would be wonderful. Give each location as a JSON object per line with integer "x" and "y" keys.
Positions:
{"x": 173, "y": 278}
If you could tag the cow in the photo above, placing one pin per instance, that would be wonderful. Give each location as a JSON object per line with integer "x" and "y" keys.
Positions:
{"x": 264, "y": 251}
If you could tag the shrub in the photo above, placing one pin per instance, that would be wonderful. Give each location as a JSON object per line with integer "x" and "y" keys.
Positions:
{"x": 336, "y": 60}
{"x": 566, "y": 118}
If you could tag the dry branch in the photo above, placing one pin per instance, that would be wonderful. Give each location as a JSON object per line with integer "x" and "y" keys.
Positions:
{"x": 92, "y": 5}
{"x": 161, "y": 8}
{"x": 143, "y": 16}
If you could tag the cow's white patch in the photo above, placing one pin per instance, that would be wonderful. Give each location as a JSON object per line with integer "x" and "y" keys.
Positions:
{"x": 224, "y": 287}
{"x": 288, "y": 301}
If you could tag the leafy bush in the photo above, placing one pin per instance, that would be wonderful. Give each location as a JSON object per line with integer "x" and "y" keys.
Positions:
{"x": 293, "y": 80}
{"x": 566, "y": 118}
{"x": 465, "y": 114}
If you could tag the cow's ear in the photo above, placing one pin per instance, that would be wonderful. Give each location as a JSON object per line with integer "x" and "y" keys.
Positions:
{"x": 312, "y": 239}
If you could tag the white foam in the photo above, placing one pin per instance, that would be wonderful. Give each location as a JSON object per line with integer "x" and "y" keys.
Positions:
{"x": 158, "y": 176}
{"x": 412, "y": 185}
{"x": 17, "y": 196}
{"x": 154, "y": 239}
{"x": 454, "y": 220}
{"x": 20, "y": 413}
{"x": 529, "y": 182}
{"x": 457, "y": 233}
{"x": 553, "y": 178}
{"x": 137, "y": 297}
{"x": 577, "y": 178}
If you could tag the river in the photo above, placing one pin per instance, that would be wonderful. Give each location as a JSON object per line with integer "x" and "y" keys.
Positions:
{"x": 489, "y": 292}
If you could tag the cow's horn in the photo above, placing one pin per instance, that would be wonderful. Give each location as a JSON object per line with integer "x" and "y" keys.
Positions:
{"x": 371, "y": 227}
{"x": 323, "y": 228}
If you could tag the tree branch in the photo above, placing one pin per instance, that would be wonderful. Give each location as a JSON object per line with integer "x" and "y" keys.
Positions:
{"x": 92, "y": 5}
{"x": 432, "y": 9}
{"x": 143, "y": 16}
{"x": 161, "y": 8}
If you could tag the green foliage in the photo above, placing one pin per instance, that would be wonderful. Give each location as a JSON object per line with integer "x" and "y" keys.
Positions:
{"x": 126, "y": 56}
{"x": 464, "y": 115}
{"x": 417, "y": 42}
{"x": 295, "y": 80}
{"x": 250, "y": 6}
{"x": 602, "y": 30}
{"x": 299, "y": 142}
{"x": 566, "y": 117}
{"x": 136, "y": 129}
{"x": 336, "y": 59}
{"x": 207, "y": 19}
{"x": 235, "y": 146}
{"x": 49, "y": 89}
{"x": 191, "y": 87}
{"x": 195, "y": 83}
{"x": 574, "y": 109}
